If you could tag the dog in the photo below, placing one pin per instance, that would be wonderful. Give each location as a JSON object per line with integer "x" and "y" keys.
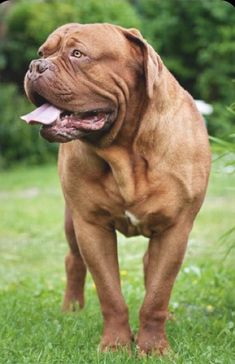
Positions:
{"x": 134, "y": 157}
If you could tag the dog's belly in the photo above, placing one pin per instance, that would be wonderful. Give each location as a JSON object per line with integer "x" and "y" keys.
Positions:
{"x": 146, "y": 224}
{"x": 129, "y": 225}
{"x": 150, "y": 213}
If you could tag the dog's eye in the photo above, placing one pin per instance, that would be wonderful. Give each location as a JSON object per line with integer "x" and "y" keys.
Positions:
{"x": 76, "y": 53}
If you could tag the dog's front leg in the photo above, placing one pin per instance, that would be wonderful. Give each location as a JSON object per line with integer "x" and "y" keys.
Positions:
{"x": 98, "y": 246}
{"x": 165, "y": 255}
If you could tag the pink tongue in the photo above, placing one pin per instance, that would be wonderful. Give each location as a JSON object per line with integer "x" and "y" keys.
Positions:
{"x": 45, "y": 114}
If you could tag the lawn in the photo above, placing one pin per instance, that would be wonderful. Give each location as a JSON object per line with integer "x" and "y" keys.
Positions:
{"x": 32, "y": 247}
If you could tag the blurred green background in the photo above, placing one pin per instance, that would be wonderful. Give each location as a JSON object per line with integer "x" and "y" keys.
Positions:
{"x": 195, "y": 39}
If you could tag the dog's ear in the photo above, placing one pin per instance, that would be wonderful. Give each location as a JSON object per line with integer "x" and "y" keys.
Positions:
{"x": 152, "y": 62}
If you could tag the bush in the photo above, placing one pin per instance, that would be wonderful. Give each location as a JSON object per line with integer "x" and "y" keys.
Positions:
{"x": 221, "y": 122}
{"x": 196, "y": 41}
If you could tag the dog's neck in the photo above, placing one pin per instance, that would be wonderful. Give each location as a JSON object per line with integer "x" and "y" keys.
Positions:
{"x": 158, "y": 123}
{"x": 141, "y": 121}
{"x": 141, "y": 141}
{"x": 130, "y": 152}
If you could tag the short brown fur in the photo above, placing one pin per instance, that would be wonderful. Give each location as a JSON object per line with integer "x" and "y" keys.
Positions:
{"x": 146, "y": 175}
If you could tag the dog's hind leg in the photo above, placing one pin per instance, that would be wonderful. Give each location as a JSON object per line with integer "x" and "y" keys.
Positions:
{"x": 75, "y": 269}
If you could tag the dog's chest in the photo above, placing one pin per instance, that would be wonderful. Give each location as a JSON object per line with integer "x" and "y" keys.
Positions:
{"x": 136, "y": 206}
{"x": 148, "y": 213}
{"x": 134, "y": 220}
{"x": 144, "y": 221}
{"x": 130, "y": 224}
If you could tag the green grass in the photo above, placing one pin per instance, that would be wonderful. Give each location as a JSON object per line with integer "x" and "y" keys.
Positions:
{"x": 32, "y": 249}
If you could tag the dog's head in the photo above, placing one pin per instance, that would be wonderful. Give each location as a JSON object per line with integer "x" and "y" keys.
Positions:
{"x": 84, "y": 79}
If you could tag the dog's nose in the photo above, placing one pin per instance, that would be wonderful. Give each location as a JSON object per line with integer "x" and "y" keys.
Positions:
{"x": 38, "y": 66}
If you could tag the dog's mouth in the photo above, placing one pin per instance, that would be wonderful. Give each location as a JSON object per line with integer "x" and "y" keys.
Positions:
{"x": 62, "y": 125}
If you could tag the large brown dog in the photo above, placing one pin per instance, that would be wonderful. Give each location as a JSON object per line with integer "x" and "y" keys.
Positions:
{"x": 137, "y": 161}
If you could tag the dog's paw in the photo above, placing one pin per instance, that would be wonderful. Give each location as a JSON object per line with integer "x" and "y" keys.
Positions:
{"x": 116, "y": 340}
{"x": 72, "y": 304}
{"x": 153, "y": 345}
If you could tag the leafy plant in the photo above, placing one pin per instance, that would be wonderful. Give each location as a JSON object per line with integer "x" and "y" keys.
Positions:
{"x": 226, "y": 151}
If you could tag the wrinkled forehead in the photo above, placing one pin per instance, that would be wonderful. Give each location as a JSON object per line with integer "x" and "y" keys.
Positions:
{"x": 93, "y": 36}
